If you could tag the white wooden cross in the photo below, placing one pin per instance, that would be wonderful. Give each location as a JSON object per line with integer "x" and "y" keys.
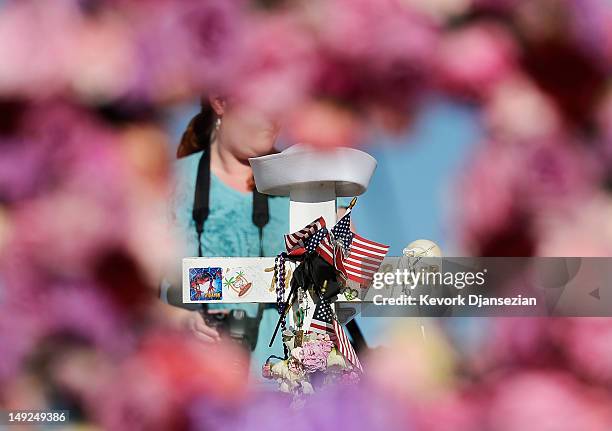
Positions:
{"x": 312, "y": 179}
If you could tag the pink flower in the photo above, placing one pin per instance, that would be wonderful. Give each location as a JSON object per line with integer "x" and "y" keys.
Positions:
{"x": 586, "y": 231}
{"x": 586, "y": 342}
{"x": 375, "y": 58}
{"x": 553, "y": 401}
{"x": 295, "y": 366}
{"x": 517, "y": 342}
{"x": 473, "y": 60}
{"x": 510, "y": 187}
{"x": 315, "y": 354}
{"x": 604, "y": 121}
{"x": 279, "y": 60}
{"x": 489, "y": 210}
{"x": 574, "y": 34}
{"x": 184, "y": 48}
{"x": 517, "y": 110}
{"x": 323, "y": 337}
{"x": 266, "y": 371}
{"x": 350, "y": 378}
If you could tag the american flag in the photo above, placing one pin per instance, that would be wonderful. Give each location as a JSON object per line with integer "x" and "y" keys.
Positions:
{"x": 364, "y": 259}
{"x": 345, "y": 347}
{"x": 364, "y": 256}
{"x": 322, "y": 318}
{"x": 313, "y": 242}
{"x": 332, "y": 246}
{"x": 324, "y": 322}
{"x": 296, "y": 242}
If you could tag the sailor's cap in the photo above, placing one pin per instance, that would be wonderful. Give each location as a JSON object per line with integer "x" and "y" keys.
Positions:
{"x": 350, "y": 169}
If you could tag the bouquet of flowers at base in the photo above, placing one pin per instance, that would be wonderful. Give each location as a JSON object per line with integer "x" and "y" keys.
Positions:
{"x": 313, "y": 362}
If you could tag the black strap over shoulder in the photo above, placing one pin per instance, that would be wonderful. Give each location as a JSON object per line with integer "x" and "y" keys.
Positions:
{"x": 261, "y": 215}
{"x": 201, "y": 203}
{"x": 260, "y": 218}
{"x": 201, "y": 198}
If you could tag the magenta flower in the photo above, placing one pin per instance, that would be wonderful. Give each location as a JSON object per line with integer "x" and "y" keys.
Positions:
{"x": 473, "y": 60}
{"x": 586, "y": 341}
{"x": 555, "y": 401}
{"x": 314, "y": 355}
{"x": 375, "y": 55}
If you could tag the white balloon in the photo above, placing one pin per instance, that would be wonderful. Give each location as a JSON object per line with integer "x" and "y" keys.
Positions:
{"x": 422, "y": 248}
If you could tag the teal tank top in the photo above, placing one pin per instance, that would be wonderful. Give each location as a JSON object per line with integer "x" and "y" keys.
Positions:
{"x": 229, "y": 231}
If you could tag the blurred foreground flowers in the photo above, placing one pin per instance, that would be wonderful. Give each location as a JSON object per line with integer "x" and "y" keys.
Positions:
{"x": 84, "y": 177}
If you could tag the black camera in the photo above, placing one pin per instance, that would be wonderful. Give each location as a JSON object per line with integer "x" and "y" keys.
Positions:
{"x": 235, "y": 324}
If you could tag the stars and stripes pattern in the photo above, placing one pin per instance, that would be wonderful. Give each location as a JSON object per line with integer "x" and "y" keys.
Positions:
{"x": 356, "y": 257}
{"x": 324, "y": 322}
{"x": 342, "y": 230}
{"x": 345, "y": 347}
{"x": 332, "y": 248}
{"x": 312, "y": 244}
{"x": 322, "y": 318}
{"x": 363, "y": 260}
{"x": 296, "y": 242}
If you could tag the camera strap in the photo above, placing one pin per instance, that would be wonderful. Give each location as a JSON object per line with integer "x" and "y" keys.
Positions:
{"x": 260, "y": 217}
{"x": 201, "y": 201}
{"x": 201, "y": 211}
{"x": 201, "y": 198}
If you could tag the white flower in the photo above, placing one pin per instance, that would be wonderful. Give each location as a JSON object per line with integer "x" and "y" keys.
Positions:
{"x": 307, "y": 388}
{"x": 335, "y": 361}
{"x": 298, "y": 353}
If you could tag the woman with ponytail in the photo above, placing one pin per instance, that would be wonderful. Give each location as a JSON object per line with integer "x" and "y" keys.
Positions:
{"x": 212, "y": 160}
{"x": 217, "y": 210}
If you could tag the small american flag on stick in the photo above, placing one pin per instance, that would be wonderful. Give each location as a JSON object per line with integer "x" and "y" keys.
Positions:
{"x": 345, "y": 347}
{"x": 325, "y": 322}
{"x": 296, "y": 243}
{"x": 322, "y": 318}
{"x": 356, "y": 257}
{"x": 364, "y": 259}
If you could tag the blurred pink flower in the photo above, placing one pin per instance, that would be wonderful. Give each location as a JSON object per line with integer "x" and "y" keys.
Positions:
{"x": 516, "y": 343}
{"x": 471, "y": 61}
{"x": 557, "y": 58}
{"x": 452, "y": 411}
{"x": 586, "y": 342}
{"x": 590, "y": 27}
{"x": 507, "y": 187}
{"x": 64, "y": 233}
{"x": 585, "y": 230}
{"x": 184, "y": 48}
{"x": 517, "y": 110}
{"x": 334, "y": 407}
{"x": 314, "y": 355}
{"x": 557, "y": 174}
{"x": 165, "y": 51}
{"x": 604, "y": 122}
{"x": 431, "y": 370}
{"x": 489, "y": 211}
{"x": 79, "y": 310}
{"x": 45, "y": 143}
{"x": 553, "y": 401}
{"x": 385, "y": 31}
{"x": 24, "y": 27}
{"x": 441, "y": 11}
{"x": 275, "y": 71}
{"x": 18, "y": 336}
{"x": 373, "y": 53}
{"x": 155, "y": 387}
